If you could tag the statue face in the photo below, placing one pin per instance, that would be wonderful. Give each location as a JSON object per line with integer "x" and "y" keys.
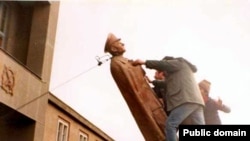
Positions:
{"x": 117, "y": 48}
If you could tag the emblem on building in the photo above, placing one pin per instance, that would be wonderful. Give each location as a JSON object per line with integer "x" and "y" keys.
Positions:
{"x": 8, "y": 80}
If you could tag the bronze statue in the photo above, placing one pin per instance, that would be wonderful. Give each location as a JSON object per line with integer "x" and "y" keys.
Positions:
{"x": 146, "y": 109}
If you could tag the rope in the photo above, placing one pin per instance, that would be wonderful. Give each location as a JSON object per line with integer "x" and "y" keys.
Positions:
{"x": 100, "y": 62}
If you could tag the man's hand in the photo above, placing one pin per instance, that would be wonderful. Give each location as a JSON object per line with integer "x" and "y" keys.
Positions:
{"x": 223, "y": 107}
{"x": 138, "y": 62}
{"x": 219, "y": 102}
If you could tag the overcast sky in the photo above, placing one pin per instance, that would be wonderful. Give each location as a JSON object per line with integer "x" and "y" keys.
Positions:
{"x": 214, "y": 35}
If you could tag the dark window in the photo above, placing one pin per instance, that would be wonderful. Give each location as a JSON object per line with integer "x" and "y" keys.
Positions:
{"x": 3, "y": 22}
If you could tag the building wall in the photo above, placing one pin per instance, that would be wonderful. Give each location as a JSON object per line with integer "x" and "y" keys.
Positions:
{"x": 57, "y": 110}
{"x": 26, "y": 55}
{"x": 26, "y": 94}
{"x": 25, "y": 68}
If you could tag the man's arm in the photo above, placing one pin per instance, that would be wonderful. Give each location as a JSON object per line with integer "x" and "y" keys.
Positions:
{"x": 225, "y": 108}
{"x": 222, "y": 107}
{"x": 169, "y": 66}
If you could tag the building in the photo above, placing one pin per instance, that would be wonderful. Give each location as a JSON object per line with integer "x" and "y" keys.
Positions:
{"x": 65, "y": 119}
{"x": 28, "y": 111}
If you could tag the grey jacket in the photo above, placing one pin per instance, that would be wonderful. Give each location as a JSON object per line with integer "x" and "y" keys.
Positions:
{"x": 181, "y": 86}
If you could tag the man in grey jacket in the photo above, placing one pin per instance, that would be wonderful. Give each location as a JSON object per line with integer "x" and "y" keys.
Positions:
{"x": 183, "y": 97}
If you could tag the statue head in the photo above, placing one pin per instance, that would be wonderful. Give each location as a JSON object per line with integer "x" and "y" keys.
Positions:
{"x": 109, "y": 42}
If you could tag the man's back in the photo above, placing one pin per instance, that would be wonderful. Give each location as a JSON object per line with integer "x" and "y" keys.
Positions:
{"x": 181, "y": 84}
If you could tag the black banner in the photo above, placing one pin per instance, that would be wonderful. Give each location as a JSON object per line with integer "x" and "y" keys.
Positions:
{"x": 214, "y": 132}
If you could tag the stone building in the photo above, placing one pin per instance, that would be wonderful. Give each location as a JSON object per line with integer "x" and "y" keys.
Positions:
{"x": 28, "y": 111}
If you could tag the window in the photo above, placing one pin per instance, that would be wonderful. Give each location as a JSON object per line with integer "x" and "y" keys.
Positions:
{"x": 62, "y": 130}
{"x": 24, "y": 28}
{"x": 83, "y": 137}
{"x": 3, "y": 22}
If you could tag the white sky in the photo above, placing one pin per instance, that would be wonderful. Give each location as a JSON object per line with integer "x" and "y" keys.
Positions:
{"x": 212, "y": 34}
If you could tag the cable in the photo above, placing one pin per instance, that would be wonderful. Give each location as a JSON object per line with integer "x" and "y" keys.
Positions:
{"x": 73, "y": 78}
{"x": 55, "y": 87}
{"x": 100, "y": 62}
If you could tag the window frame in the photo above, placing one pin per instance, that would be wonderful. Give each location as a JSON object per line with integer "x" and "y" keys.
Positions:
{"x": 84, "y": 136}
{"x": 62, "y": 130}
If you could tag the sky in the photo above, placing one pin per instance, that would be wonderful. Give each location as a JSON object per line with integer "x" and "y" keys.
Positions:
{"x": 214, "y": 35}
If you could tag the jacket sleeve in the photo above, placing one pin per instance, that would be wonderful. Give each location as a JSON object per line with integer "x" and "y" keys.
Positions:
{"x": 225, "y": 108}
{"x": 160, "y": 83}
{"x": 222, "y": 107}
{"x": 169, "y": 66}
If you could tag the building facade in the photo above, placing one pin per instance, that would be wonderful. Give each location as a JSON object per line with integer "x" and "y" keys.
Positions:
{"x": 68, "y": 124}
{"x": 28, "y": 111}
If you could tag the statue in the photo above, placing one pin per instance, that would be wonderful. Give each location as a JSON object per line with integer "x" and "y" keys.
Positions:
{"x": 143, "y": 103}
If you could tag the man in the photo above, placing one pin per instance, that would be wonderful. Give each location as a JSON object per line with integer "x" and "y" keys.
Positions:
{"x": 183, "y": 97}
{"x": 212, "y": 106}
{"x": 159, "y": 85}
{"x": 140, "y": 98}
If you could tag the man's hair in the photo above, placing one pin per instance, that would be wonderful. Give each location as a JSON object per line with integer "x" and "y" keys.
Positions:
{"x": 205, "y": 84}
{"x": 168, "y": 58}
